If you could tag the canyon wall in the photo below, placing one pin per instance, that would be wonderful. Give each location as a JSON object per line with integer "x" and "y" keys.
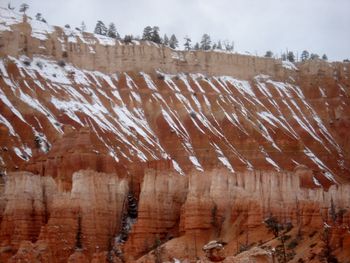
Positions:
{"x": 179, "y": 213}
{"x": 115, "y": 152}
{"x": 57, "y": 223}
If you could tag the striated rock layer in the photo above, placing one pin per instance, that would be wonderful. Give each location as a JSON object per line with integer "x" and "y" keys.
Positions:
{"x": 176, "y": 214}
{"x": 88, "y": 217}
{"x": 137, "y": 152}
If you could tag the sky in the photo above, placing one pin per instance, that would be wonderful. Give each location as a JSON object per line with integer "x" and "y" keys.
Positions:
{"x": 255, "y": 26}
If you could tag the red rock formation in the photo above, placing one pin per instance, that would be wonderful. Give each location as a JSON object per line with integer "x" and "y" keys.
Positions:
{"x": 210, "y": 143}
{"x": 35, "y": 210}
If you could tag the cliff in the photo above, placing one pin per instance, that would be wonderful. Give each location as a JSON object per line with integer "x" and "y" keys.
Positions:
{"x": 137, "y": 152}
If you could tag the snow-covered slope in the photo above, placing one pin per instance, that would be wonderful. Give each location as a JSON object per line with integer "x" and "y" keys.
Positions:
{"x": 197, "y": 122}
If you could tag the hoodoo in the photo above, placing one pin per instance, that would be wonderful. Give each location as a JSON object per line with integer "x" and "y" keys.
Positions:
{"x": 114, "y": 151}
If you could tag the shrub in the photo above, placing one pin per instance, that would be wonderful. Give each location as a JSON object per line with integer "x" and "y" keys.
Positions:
{"x": 160, "y": 76}
{"x": 293, "y": 244}
{"x": 61, "y": 63}
{"x": 26, "y": 62}
{"x": 39, "y": 65}
{"x": 313, "y": 245}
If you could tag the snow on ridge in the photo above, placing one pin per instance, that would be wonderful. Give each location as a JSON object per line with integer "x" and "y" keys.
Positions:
{"x": 149, "y": 81}
{"x": 289, "y": 65}
{"x": 177, "y": 167}
{"x": 327, "y": 172}
{"x": 177, "y": 56}
{"x": 8, "y": 18}
{"x": 41, "y": 30}
{"x": 105, "y": 40}
{"x": 222, "y": 158}
{"x": 196, "y": 163}
{"x": 4, "y": 121}
{"x": 269, "y": 160}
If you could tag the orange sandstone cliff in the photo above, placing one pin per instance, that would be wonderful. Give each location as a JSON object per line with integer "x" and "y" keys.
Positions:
{"x": 114, "y": 152}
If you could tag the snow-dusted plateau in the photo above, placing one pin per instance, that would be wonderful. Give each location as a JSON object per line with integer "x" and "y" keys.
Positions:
{"x": 114, "y": 152}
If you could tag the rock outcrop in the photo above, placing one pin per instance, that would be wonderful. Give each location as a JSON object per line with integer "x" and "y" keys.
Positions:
{"x": 114, "y": 152}
{"x": 86, "y": 218}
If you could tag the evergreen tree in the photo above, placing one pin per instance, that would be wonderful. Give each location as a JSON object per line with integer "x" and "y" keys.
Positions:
{"x": 100, "y": 28}
{"x": 187, "y": 44}
{"x": 128, "y": 39}
{"x": 284, "y": 56}
{"x": 155, "y": 37}
{"x": 290, "y": 56}
{"x": 67, "y": 26}
{"x": 112, "y": 31}
{"x": 219, "y": 46}
{"x": 173, "y": 42}
{"x": 205, "y": 42}
{"x": 23, "y": 8}
{"x": 268, "y": 54}
{"x": 83, "y": 27}
{"x": 147, "y": 33}
{"x": 324, "y": 57}
{"x": 214, "y": 46}
{"x": 166, "y": 40}
{"x": 38, "y": 16}
{"x": 304, "y": 55}
{"x": 196, "y": 46}
{"x": 314, "y": 56}
{"x": 229, "y": 46}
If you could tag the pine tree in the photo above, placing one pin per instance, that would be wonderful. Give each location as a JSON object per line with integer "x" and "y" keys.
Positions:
{"x": 173, "y": 42}
{"x": 268, "y": 54}
{"x": 205, "y": 42}
{"x": 38, "y": 16}
{"x": 112, "y": 31}
{"x": 196, "y": 46}
{"x": 83, "y": 27}
{"x": 128, "y": 39}
{"x": 290, "y": 56}
{"x": 314, "y": 56}
{"x": 214, "y": 46}
{"x": 284, "y": 56}
{"x": 147, "y": 33}
{"x": 165, "y": 40}
{"x": 324, "y": 57}
{"x": 187, "y": 44}
{"x": 304, "y": 55}
{"x": 155, "y": 37}
{"x": 219, "y": 46}
{"x": 100, "y": 28}
{"x": 23, "y": 8}
{"x": 229, "y": 46}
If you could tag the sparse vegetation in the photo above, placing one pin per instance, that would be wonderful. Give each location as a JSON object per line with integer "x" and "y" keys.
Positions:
{"x": 27, "y": 62}
{"x": 39, "y": 65}
{"x": 326, "y": 254}
{"x": 280, "y": 232}
{"x": 23, "y": 8}
{"x": 293, "y": 244}
{"x": 61, "y": 63}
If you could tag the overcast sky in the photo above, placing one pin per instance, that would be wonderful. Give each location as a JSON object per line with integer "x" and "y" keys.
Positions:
{"x": 320, "y": 26}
